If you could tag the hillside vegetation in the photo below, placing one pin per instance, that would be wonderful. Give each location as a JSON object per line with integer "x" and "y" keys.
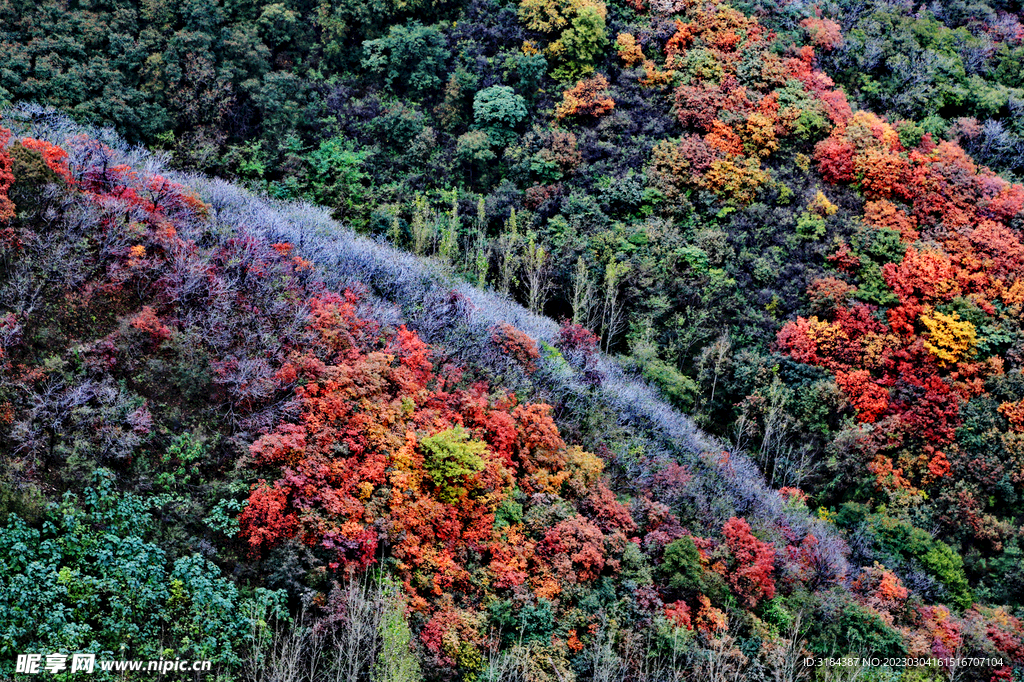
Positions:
{"x": 403, "y": 395}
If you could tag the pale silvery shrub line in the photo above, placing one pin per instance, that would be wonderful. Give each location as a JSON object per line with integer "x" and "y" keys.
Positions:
{"x": 418, "y": 286}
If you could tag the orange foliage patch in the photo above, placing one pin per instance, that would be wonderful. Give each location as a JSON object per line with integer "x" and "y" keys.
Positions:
{"x": 55, "y": 157}
{"x": 824, "y": 33}
{"x": 589, "y": 97}
{"x": 6, "y": 177}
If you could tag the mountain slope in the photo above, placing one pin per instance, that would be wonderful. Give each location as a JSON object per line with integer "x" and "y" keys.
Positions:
{"x": 186, "y": 343}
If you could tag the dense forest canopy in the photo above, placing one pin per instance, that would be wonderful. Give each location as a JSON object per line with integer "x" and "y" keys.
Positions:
{"x": 434, "y": 429}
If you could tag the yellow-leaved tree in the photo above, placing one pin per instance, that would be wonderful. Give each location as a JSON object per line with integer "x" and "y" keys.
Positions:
{"x": 578, "y": 31}
{"x": 950, "y": 339}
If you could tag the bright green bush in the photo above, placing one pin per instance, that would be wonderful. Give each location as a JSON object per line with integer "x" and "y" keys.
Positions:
{"x": 449, "y": 457}
{"x": 900, "y": 538}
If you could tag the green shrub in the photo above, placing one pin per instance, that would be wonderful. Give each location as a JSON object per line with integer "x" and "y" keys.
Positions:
{"x": 449, "y": 457}
{"x": 681, "y": 570}
{"x": 581, "y": 44}
{"x": 338, "y": 177}
{"x": 900, "y": 538}
{"x": 508, "y": 513}
{"x": 497, "y": 110}
{"x": 533, "y": 623}
{"x": 681, "y": 566}
{"x": 864, "y": 633}
{"x": 680, "y": 389}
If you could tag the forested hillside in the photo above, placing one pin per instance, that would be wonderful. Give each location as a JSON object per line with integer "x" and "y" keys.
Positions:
{"x": 552, "y": 340}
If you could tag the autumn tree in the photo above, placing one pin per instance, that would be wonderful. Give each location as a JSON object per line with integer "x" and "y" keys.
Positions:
{"x": 6, "y": 177}
{"x": 588, "y": 97}
{"x": 577, "y": 29}
{"x": 751, "y": 574}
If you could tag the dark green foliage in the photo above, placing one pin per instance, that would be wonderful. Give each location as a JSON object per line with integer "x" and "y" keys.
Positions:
{"x": 681, "y": 566}
{"x": 336, "y": 175}
{"x": 530, "y": 70}
{"x": 532, "y": 623}
{"x": 682, "y": 572}
{"x": 537, "y": 622}
{"x": 852, "y": 514}
{"x": 409, "y": 58}
{"x": 91, "y": 580}
{"x": 509, "y": 513}
{"x": 858, "y": 632}
{"x": 498, "y": 110}
{"x": 179, "y": 463}
{"x": 1003, "y": 576}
